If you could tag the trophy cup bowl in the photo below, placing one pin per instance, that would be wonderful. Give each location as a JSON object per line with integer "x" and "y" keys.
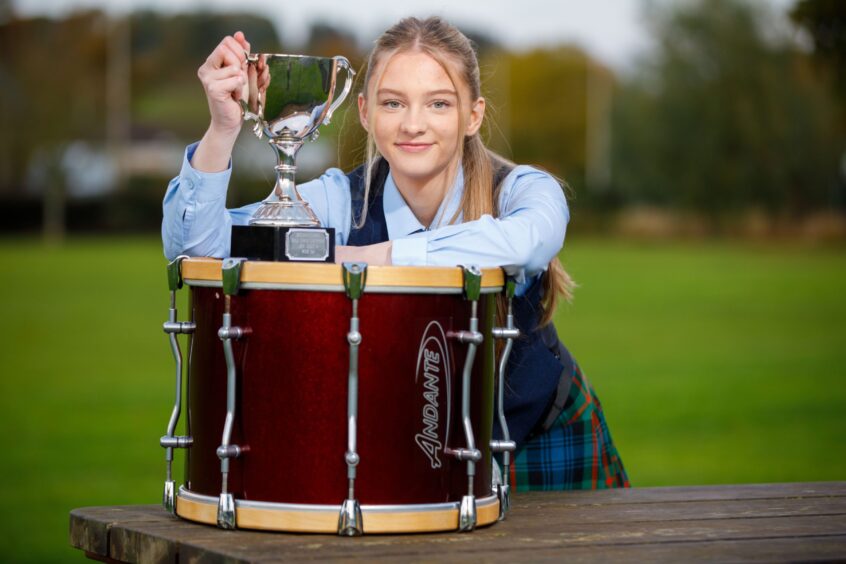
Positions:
{"x": 289, "y": 97}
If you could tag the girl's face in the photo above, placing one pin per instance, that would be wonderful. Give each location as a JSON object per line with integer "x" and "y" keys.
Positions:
{"x": 415, "y": 119}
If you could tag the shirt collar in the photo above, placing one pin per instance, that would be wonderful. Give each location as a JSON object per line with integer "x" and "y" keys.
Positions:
{"x": 401, "y": 221}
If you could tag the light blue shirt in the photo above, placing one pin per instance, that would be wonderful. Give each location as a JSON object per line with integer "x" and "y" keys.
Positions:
{"x": 526, "y": 236}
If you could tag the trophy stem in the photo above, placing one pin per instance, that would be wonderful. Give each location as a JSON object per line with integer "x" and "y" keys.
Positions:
{"x": 286, "y": 168}
{"x": 284, "y": 206}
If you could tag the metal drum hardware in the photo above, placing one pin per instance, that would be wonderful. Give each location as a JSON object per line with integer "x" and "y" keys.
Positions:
{"x": 473, "y": 338}
{"x": 506, "y": 446}
{"x": 173, "y": 327}
{"x": 228, "y": 332}
{"x": 349, "y": 519}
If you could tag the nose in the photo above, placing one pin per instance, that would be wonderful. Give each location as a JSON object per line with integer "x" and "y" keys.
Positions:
{"x": 414, "y": 121}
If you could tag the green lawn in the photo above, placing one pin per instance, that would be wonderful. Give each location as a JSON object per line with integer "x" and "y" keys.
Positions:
{"x": 714, "y": 363}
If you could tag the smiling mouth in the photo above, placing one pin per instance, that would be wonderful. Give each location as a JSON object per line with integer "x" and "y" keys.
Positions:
{"x": 413, "y": 147}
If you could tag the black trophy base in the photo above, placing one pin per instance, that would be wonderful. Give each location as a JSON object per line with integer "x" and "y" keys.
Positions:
{"x": 283, "y": 244}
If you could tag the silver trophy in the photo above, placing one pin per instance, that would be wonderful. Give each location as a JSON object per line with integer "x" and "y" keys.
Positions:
{"x": 289, "y": 97}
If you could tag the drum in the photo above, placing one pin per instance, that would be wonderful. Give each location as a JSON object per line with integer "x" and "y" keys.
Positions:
{"x": 351, "y": 399}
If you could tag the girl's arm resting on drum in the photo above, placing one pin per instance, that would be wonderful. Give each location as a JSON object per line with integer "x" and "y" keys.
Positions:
{"x": 376, "y": 255}
{"x": 529, "y": 233}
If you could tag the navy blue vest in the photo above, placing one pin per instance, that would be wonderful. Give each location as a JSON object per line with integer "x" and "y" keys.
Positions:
{"x": 539, "y": 369}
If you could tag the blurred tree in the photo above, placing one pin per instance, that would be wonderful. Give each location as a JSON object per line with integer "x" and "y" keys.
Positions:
{"x": 7, "y": 11}
{"x": 539, "y": 102}
{"x": 825, "y": 20}
{"x": 53, "y": 78}
{"x": 54, "y": 71}
{"x": 326, "y": 40}
{"x": 166, "y": 53}
{"x": 54, "y": 92}
{"x": 725, "y": 117}
{"x": 483, "y": 42}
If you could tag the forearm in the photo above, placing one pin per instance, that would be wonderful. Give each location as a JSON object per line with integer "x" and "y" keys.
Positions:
{"x": 518, "y": 246}
{"x": 524, "y": 239}
{"x": 375, "y": 255}
{"x": 214, "y": 152}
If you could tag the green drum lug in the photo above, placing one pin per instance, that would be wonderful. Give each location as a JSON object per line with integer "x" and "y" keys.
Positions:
{"x": 510, "y": 287}
{"x": 355, "y": 278}
{"x": 472, "y": 282}
{"x": 232, "y": 275}
{"x": 174, "y": 273}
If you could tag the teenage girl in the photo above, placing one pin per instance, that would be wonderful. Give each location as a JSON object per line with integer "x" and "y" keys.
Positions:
{"x": 429, "y": 193}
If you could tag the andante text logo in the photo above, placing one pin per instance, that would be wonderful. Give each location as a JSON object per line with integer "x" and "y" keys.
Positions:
{"x": 433, "y": 373}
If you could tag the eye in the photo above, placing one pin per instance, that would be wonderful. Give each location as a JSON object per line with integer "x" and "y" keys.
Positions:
{"x": 391, "y": 104}
{"x": 440, "y": 104}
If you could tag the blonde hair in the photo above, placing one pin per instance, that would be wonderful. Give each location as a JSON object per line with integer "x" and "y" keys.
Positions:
{"x": 452, "y": 49}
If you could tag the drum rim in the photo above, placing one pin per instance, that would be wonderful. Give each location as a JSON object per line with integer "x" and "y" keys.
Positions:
{"x": 320, "y": 508}
{"x": 260, "y": 275}
{"x": 306, "y": 518}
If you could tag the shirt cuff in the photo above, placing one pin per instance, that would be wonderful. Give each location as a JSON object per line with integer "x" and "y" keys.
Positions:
{"x": 208, "y": 186}
{"x": 410, "y": 251}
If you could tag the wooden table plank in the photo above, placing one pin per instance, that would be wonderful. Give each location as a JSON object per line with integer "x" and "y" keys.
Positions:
{"x": 693, "y": 493}
{"x": 504, "y": 539}
{"x": 762, "y": 522}
{"x": 549, "y": 511}
{"x": 90, "y": 526}
{"x": 144, "y": 533}
{"x": 826, "y": 549}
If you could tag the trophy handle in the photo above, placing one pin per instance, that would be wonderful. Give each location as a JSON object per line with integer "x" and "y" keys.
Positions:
{"x": 343, "y": 63}
{"x": 250, "y": 96}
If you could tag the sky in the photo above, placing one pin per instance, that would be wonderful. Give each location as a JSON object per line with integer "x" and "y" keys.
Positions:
{"x": 613, "y": 31}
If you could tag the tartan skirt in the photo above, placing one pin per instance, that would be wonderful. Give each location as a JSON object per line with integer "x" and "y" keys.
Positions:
{"x": 575, "y": 453}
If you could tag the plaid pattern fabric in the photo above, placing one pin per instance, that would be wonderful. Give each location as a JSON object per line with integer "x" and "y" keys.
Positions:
{"x": 575, "y": 453}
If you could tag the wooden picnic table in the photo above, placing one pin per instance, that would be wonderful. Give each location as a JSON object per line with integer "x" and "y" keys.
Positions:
{"x": 766, "y": 522}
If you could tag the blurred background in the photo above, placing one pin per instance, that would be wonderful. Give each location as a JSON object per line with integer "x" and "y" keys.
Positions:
{"x": 704, "y": 142}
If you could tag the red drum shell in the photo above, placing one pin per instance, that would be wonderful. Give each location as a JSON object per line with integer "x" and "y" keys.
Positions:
{"x": 291, "y": 414}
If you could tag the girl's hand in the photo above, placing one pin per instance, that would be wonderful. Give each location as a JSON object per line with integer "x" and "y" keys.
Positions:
{"x": 223, "y": 76}
{"x": 374, "y": 255}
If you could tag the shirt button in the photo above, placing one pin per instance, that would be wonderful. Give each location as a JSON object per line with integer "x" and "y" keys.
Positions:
{"x": 189, "y": 183}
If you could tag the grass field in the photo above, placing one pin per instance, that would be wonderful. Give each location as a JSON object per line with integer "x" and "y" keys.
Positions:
{"x": 715, "y": 364}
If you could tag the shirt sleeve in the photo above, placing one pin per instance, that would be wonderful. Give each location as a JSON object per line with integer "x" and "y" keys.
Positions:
{"x": 528, "y": 234}
{"x": 196, "y": 221}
